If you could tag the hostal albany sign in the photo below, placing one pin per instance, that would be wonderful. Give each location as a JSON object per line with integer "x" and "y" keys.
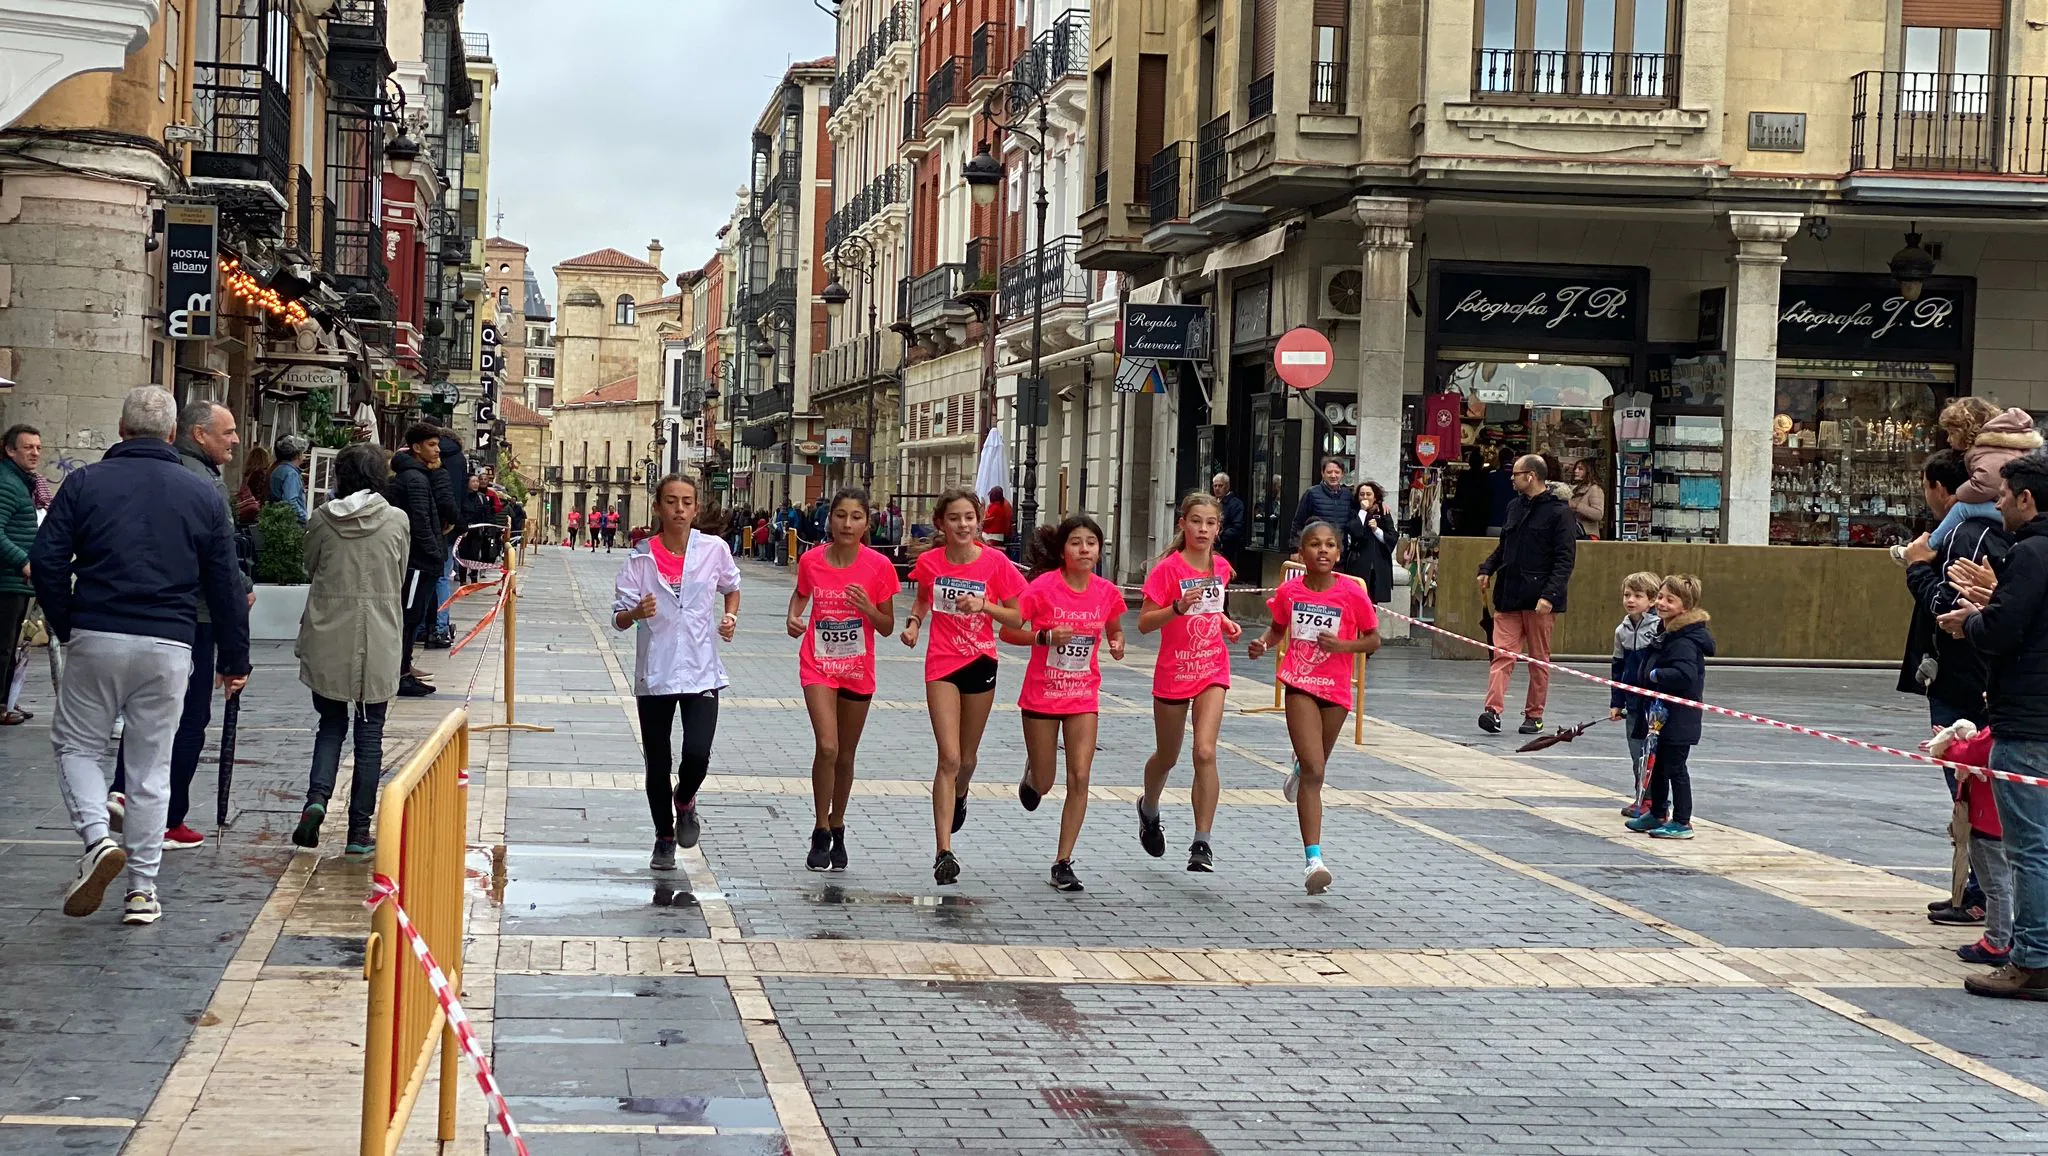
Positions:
{"x": 487, "y": 387}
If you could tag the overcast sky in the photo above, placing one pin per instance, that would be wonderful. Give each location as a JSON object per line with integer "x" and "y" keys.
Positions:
{"x": 618, "y": 121}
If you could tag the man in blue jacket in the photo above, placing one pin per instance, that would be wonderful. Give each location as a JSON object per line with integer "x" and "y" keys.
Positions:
{"x": 130, "y": 547}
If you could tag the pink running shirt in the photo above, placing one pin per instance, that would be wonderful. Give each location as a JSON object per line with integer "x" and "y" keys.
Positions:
{"x": 1066, "y": 680}
{"x": 953, "y": 639}
{"x": 1194, "y": 655}
{"x": 838, "y": 649}
{"x": 670, "y": 565}
{"x": 1346, "y": 610}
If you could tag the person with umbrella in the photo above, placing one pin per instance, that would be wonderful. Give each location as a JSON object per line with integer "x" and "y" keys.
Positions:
{"x": 349, "y": 636}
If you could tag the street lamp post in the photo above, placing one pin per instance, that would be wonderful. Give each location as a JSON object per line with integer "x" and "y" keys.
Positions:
{"x": 1006, "y": 107}
{"x": 859, "y": 258}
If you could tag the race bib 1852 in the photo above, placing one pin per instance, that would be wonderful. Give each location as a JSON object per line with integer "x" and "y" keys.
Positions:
{"x": 947, "y": 593}
{"x": 839, "y": 638}
{"x": 1311, "y": 621}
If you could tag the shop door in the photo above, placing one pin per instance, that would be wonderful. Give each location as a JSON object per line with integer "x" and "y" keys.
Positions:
{"x": 1190, "y": 460}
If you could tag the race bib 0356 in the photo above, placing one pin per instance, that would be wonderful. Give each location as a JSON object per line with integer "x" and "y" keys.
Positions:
{"x": 839, "y": 638}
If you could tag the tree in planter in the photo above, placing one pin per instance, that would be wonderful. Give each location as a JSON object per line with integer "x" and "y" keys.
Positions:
{"x": 508, "y": 476}
{"x": 281, "y": 558}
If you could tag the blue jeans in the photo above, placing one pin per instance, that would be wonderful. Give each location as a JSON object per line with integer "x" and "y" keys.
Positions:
{"x": 442, "y": 590}
{"x": 2024, "y": 811}
{"x": 334, "y": 720}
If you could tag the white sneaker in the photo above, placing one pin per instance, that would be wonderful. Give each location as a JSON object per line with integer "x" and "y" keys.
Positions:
{"x": 1292, "y": 787}
{"x": 141, "y": 908}
{"x": 1316, "y": 877}
{"x": 117, "y": 811}
{"x": 99, "y": 866}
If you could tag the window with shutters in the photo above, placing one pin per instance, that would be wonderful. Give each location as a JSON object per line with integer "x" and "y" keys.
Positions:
{"x": 1574, "y": 52}
{"x": 1332, "y": 29}
{"x": 1948, "y": 95}
{"x": 1151, "y": 126}
{"x": 1259, "y": 93}
{"x": 1101, "y": 98}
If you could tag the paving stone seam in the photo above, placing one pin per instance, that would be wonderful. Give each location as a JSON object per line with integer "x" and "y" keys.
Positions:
{"x": 1921, "y": 1044}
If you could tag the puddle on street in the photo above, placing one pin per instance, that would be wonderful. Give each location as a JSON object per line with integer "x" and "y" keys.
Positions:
{"x": 530, "y": 883}
{"x": 1042, "y": 1004}
{"x": 1148, "y": 1126}
{"x": 840, "y": 896}
{"x": 720, "y": 1112}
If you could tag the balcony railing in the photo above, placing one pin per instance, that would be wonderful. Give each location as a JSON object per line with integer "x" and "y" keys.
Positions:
{"x": 579, "y": 474}
{"x": 1543, "y": 76}
{"x": 898, "y": 26}
{"x": 1936, "y": 122}
{"x": 1061, "y": 51}
{"x": 1173, "y": 179}
{"x": 856, "y": 360}
{"x": 989, "y": 50}
{"x": 768, "y": 404}
{"x": 890, "y": 187}
{"x": 1056, "y": 280}
{"x": 357, "y": 20}
{"x": 552, "y": 475}
{"x": 476, "y": 45}
{"x": 945, "y": 87}
{"x": 1211, "y": 161}
{"x": 913, "y": 117}
{"x": 781, "y": 295}
{"x": 1101, "y": 188}
{"x": 1258, "y": 98}
{"x": 981, "y": 263}
{"x": 932, "y": 292}
{"x": 1326, "y": 86}
{"x": 247, "y": 119}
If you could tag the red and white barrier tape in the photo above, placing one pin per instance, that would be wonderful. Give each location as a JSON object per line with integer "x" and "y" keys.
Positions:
{"x": 383, "y": 890}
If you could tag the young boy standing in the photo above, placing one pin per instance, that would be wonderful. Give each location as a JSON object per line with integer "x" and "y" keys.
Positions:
{"x": 1677, "y": 665}
{"x": 1633, "y": 638}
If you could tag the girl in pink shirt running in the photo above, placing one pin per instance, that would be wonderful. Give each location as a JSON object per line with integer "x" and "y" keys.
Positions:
{"x": 1069, "y": 616}
{"x": 1184, "y": 601}
{"x": 851, "y": 590}
{"x": 1326, "y": 618}
{"x": 966, "y": 589}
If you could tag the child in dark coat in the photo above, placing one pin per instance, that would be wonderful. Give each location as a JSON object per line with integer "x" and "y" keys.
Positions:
{"x": 1676, "y": 664}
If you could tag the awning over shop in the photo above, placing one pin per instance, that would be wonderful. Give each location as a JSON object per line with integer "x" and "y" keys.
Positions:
{"x": 1252, "y": 251}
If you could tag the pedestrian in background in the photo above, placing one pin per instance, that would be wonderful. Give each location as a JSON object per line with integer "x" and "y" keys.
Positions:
{"x": 206, "y": 443}
{"x": 357, "y": 546}
{"x": 255, "y": 488}
{"x": 23, "y": 446}
{"x": 998, "y": 519}
{"x": 288, "y": 479}
{"x": 414, "y": 493}
{"x": 1634, "y": 635}
{"x": 449, "y": 479}
{"x": 1676, "y": 665}
{"x": 132, "y": 545}
{"x": 1368, "y": 539}
{"x": 1327, "y": 502}
{"x": 1527, "y": 576}
{"x": 1588, "y": 500}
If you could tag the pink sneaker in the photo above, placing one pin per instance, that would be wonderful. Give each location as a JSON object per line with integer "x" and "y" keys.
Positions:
{"x": 182, "y": 836}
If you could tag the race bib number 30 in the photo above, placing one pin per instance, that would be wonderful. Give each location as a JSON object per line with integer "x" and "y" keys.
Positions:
{"x": 839, "y": 638}
{"x": 1207, "y": 595}
{"x": 1073, "y": 658}
{"x": 1312, "y": 621}
{"x": 947, "y": 593}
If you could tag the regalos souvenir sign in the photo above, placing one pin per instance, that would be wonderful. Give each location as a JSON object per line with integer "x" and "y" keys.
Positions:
{"x": 1303, "y": 358}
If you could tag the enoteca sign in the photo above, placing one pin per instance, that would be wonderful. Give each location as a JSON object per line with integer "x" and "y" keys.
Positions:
{"x": 1519, "y": 303}
{"x": 1848, "y": 316}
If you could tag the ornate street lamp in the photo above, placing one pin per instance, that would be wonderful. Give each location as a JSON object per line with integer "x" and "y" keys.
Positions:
{"x": 855, "y": 256}
{"x": 1912, "y": 265}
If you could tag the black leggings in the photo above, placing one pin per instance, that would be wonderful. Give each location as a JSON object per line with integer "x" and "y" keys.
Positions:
{"x": 700, "y": 725}
{"x": 1671, "y": 781}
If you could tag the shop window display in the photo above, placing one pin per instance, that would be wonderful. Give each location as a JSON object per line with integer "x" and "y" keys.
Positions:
{"x": 1848, "y": 440}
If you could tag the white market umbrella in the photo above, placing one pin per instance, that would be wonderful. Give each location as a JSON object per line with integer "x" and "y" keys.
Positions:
{"x": 994, "y": 470}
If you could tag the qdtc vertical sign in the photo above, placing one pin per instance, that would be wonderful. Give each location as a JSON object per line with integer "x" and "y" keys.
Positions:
{"x": 487, "y": 390}
{"x": 191, "y": 270}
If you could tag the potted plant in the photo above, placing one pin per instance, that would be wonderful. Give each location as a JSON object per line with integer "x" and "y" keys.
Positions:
{"x": 280, "y": 574}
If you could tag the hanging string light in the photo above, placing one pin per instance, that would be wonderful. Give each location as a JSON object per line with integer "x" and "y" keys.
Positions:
{"x": 240, "y": 284}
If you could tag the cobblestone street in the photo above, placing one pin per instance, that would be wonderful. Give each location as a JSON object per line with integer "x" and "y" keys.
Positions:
{"x": 1499, "y": 968}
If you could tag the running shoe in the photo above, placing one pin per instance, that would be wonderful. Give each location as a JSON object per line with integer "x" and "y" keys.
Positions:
{"x": 1957, "y": 916}
{"x": 1200, "y": 858}
{"x": 664, "y": 858}
{"x": 117, "y": 811}
{"x": 1292, "y": 787}
{"x": 1531, "y": 725}
{"x": 141, "y": 909}
{"x": 1316, "y": 877}
{"x": 182, "y": 837}
{"x": 946, "y": 869}
{"x": 1635, "y": 810}
{"x": 101, "y": 864}
{"x": 687, "y": 829}
{"x": 360, "y": 843}
{"x": 1151, "y": 834}
{"x": 1489, "y": 721}
{"x": 820, "y": 858}
{"x": 1672, "y": 831}
{"x": 307, "y": 833}
{"x": 959, "y": 811}
{"x": 1063, "y": 877}
{"x": 1027, "y": 794}
{"x": 1982, "y": 952}
{"x": 838, "y": 848}
{"x": 1646, "y": 822}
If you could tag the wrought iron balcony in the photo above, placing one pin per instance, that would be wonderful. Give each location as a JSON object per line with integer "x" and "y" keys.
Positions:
{"x": 1938, "y": 122}
{"x": 931, "y": 293}
{"x": 1211, "y": 161}
{"x": 358, "y": 58}
{"x": 1056, "y": 280}
{"x": 946, "y": 86}
{"x": 1258, "y": 97}
{"x": 913, "y": 117}
{"x": 246, "y": 117}
{"x": 898, "y": 27}
{"x": 989, "y": 50}
{"x": 1326, "y": 86}
{"x": 788, "y": 173}
{"x": 1059, "y": 53}
{"x": 982, "y": 256}
{"x": 1173, "y": 181}
{"x": 579, "y": 474}
{"x": 1544, "y": 76}
{"x": 552, "y": 475}
{"x": 781, "y": 295}
{"x": 768, "y": 404}
{"x": 476, "y": 45}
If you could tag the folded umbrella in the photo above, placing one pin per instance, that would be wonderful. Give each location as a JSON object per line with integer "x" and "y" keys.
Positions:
{"x": 230, "y": 715}
{"x": 1560, "y": 735}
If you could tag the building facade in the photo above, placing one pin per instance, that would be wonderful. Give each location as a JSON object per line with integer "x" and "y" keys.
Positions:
{"x": 602, "y": 423}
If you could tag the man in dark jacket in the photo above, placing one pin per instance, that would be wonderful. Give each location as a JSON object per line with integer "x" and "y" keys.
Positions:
{"x": 2010, "y": 629}
{"x": 1329, "y": 502}
{"x": 451, "y": 478}
{"x": 1527, "y": 573}
{"x": 413, "y": 490}
{"x": 24, "y": 447}
{"x": 130, "y": 548}
{"x": 1235, "y": 533}
{"x": 206, "y": 441}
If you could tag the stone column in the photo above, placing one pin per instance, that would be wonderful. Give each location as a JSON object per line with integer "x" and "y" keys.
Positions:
{"x": 1383, "y": 334}
{"x": 1758, "y": 257}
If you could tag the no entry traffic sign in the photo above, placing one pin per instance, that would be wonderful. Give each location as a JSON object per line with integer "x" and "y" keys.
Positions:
{"x": 1303, "y": 358}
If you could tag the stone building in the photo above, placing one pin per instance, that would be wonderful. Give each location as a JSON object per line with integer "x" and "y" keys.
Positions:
{"x": 597, "y": 437}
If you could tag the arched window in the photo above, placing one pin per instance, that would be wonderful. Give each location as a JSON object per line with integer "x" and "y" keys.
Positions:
{"x": 622, "y": 314}
{"x": 504, "y": 299}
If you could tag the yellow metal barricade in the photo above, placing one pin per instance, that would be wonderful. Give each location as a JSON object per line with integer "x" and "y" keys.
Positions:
{"x": 422, "y": 817}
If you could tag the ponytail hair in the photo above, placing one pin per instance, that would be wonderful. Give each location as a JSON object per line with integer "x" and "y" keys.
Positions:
{"x": 1047, "y": 549}
{"x": 1188, "y": 503}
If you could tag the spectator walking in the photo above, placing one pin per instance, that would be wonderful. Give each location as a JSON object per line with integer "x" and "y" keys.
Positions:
{"x": 206, "y": 441}
{"x": 288, "y": 478}
{"x": 2010, "y": 629}
{"x": 1368, "y": 537}
{"x": 1588, "y": 500}
{"x": 449, "y": 479}
{"x": 357, "y": 546}
{"x": 1329, "y": 503}
{"x": 1527, "y": 576}
{"x": 23, "y": 445}
{"x": 413, "y": 492}
{"x": 120, "y": 581}
{"x": 1236, "y": 532}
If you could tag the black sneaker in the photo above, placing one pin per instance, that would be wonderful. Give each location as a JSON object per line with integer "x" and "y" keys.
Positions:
{"x": 1957, "y": 916}
{"x": 439, "y": 641}
{"x": 946, "y": 869}
{"x": 1532, "y": 725}
{"x": 1027, "y": 794}
{"x": 1489, "y": 721}
{"x": 1063, "y": 877}
{"x": 820, "y": 858}
{"x": 838, "y": 848}
{"x": 959, "y": 812}
{"x": 413, "y": 688}
{"x": 664, "y": 858}
{"x": 307, "y": 833}
{"x": 1200, "y": 858}
{"x": 1151, "y": 835}
{"x": 687, "y": 829}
